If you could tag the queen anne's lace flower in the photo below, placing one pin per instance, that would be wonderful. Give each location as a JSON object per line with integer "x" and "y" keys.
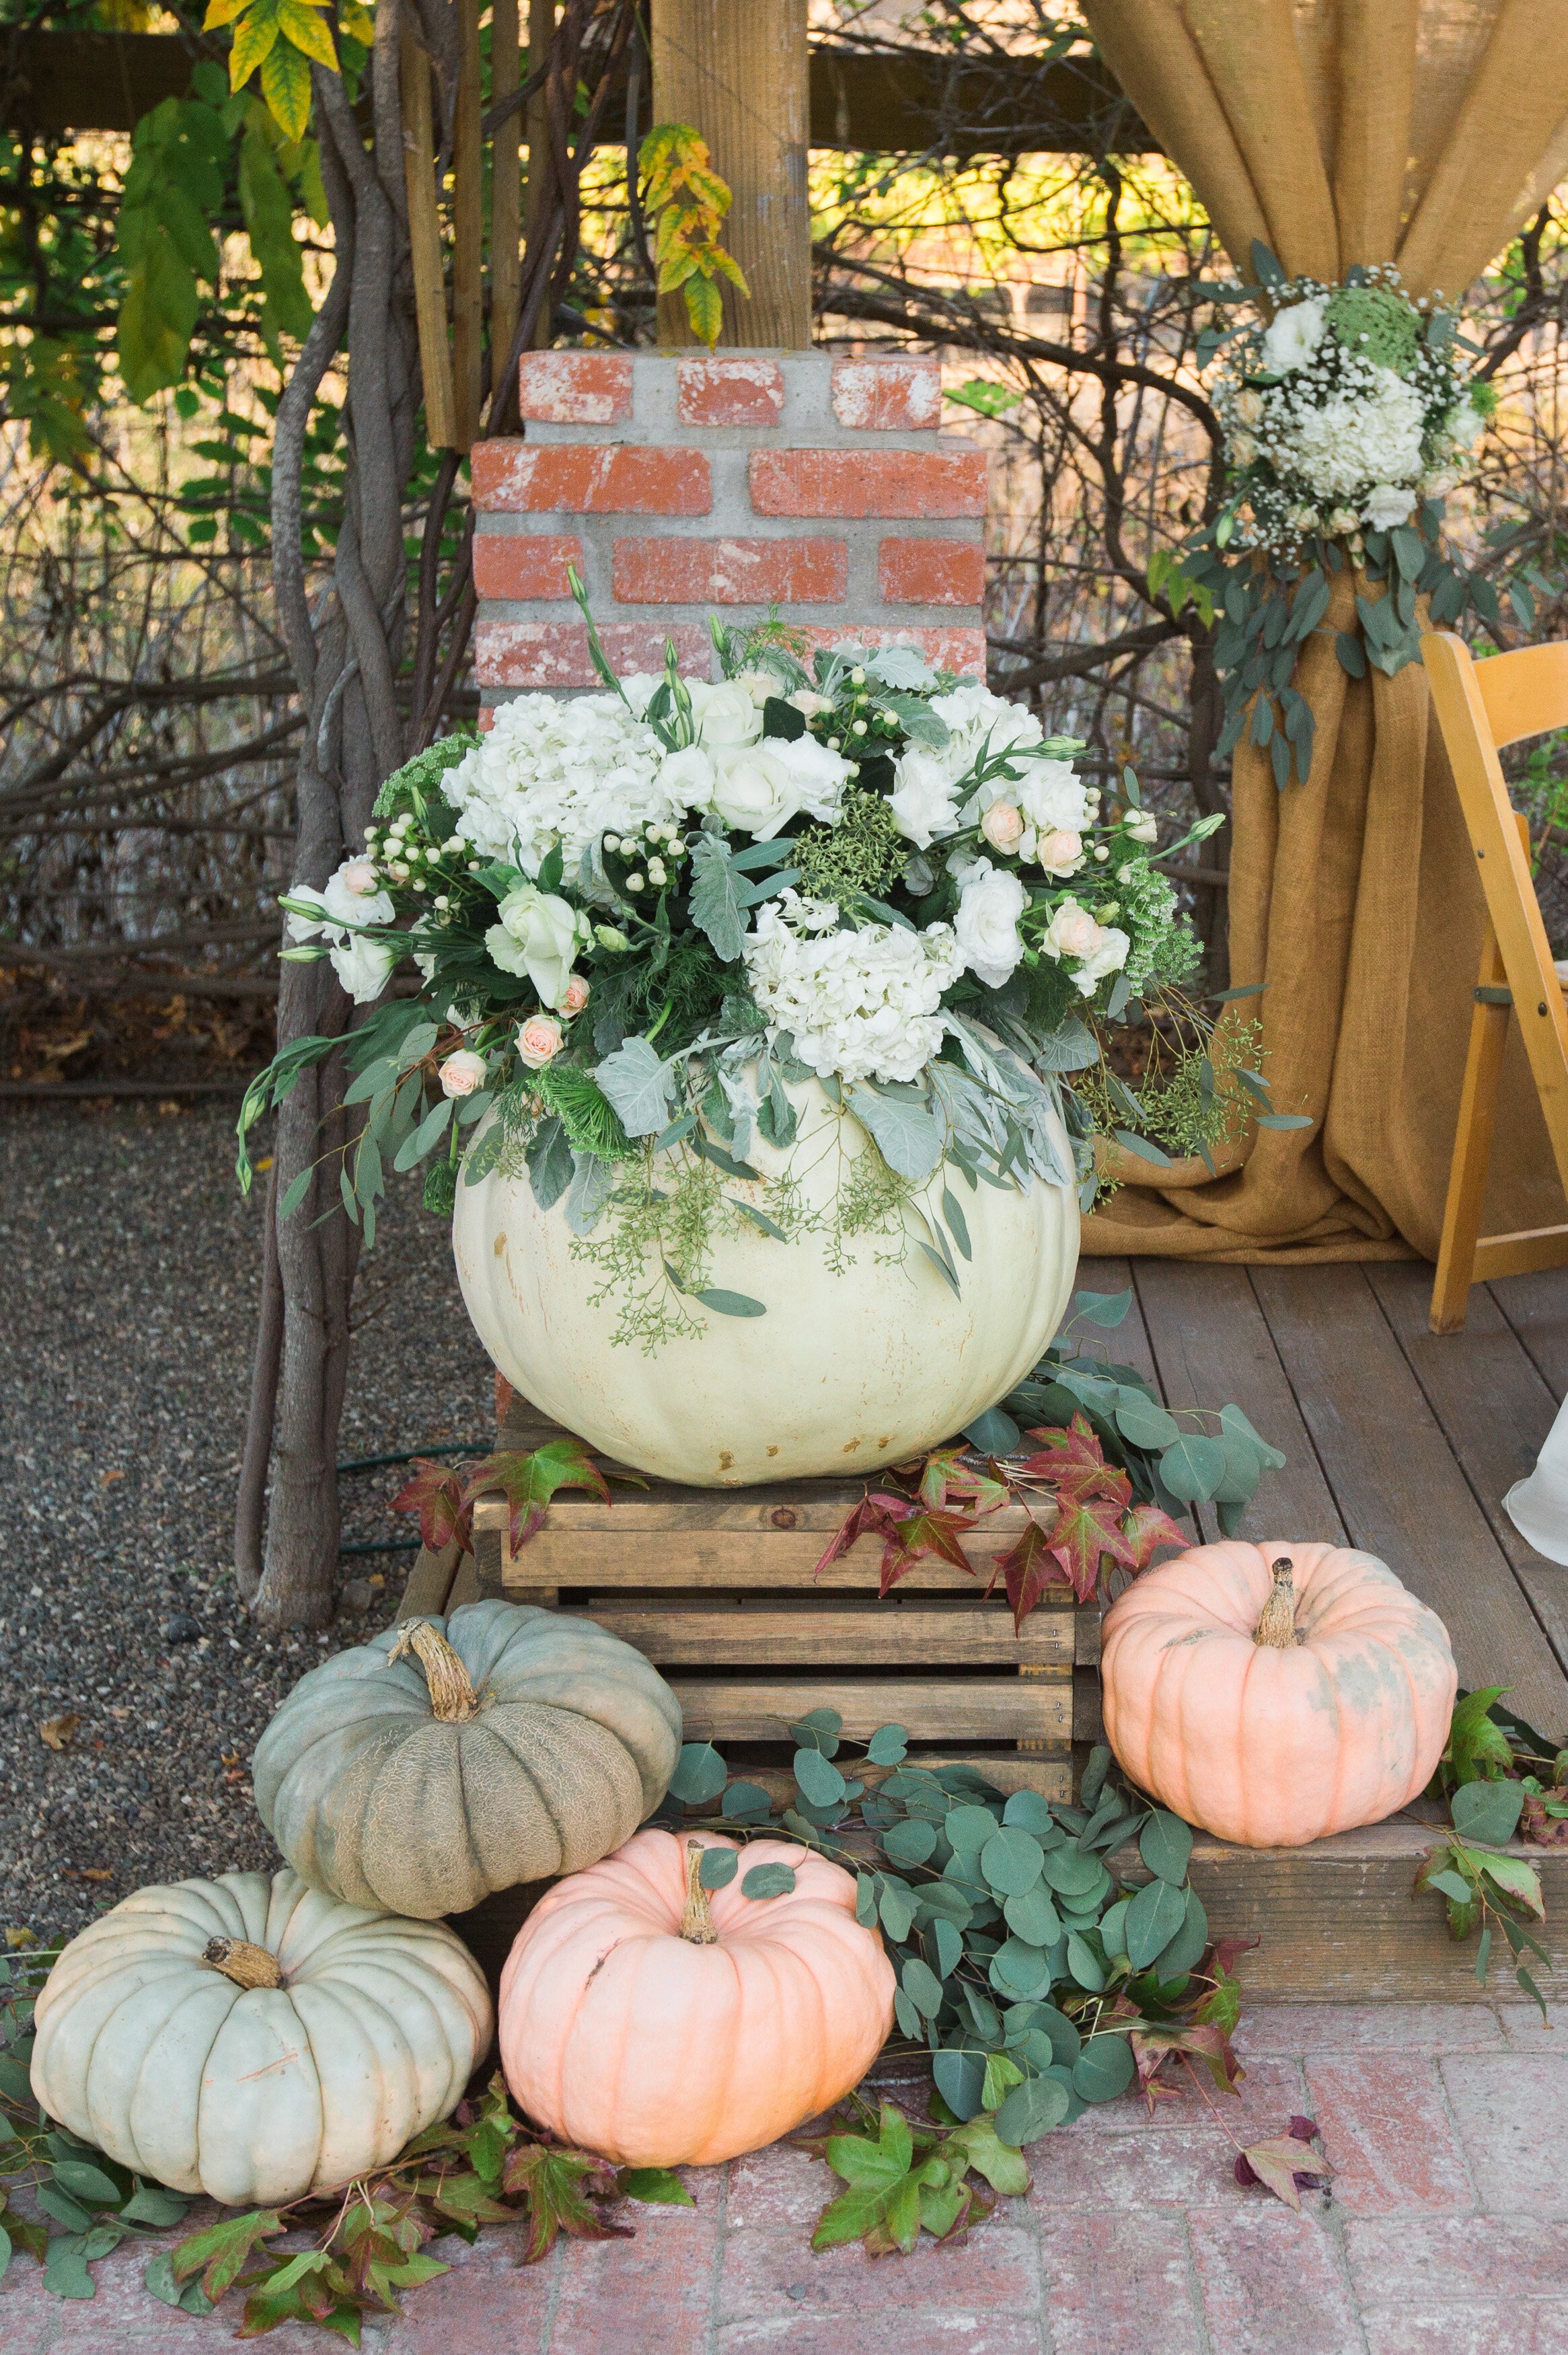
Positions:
{"x": 864, "y": 1005}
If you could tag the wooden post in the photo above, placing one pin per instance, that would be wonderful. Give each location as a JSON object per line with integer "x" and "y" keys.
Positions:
{"x": 425, "y": 244}
{"x": 505, "y": 190}
{"x": 468, "y": 232}
{"x": 737, "y": 71}
{"x": 541, "y": 177}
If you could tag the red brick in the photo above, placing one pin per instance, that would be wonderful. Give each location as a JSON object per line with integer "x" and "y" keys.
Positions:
{"x": 575, "y": 388}
{"x": 619, "y": 2297}
{"x": 1308, "y": 2028}
{"x": 1185, "y": 2165}
{"x": 730, "y": 571}
{"x": 776, "y": 2274}
{"x": 588, "y": 478}
{"x": 1270, "y": 2280}
{"x": 1512, "y": 2114}
{"x": 1518, "y": 2327}
{"x": 902, "y": 396}
{"x": 1387, "y": 2129}
{"x": 1423, "y": 2259}
{"x": 852, "y": 483}
{"x": 776, "y": 2187}
{"x": 488, "y": 2305}
{"x": 951, "y": 2330}
{"x": 1117, "y": 2286}
{"x": 513, "y": 564}
{"x": 955, "y": 649}
{"x": 555, "y": 654}
{"x": 729, "y": 392}
{"x": 931, "y": 571}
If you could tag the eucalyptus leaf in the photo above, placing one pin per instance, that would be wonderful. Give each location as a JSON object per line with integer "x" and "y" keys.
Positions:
{"x": 961, "y": 2079}
{"x": 717, "y": 1867}
{"x": 1010, "y": 1862}
{"x": 1153, "y": 1917}
{"x": 1084, "y": 1964}
{"x": 1165, "y": 1845}
{"x": 910, "y": 1843}
{"x": 1030, "y": 2110}
{"x": 1487, "y": 1812}
{"x": 922, "y": 1986}
{"x": 1103, "y": 2069}
{"x": 700, "y": 1775}
{"x": 819, "y": 1779}
{"x": 887, "y": 1745}
{"x": 768, "y": 1881}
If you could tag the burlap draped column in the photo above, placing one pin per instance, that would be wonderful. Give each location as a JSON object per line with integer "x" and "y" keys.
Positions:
{"x": 1422, "y": 133}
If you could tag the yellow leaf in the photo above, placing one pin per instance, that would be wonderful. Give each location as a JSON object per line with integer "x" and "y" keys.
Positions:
{"x": 703, "y": 308}
{"x": 300, "y": 24}
{"x": 223, "y": 11}
{"x": 253, "y": 42}
{"x": 731, "y": 267}
{"x": 55, "y": 1732}
{"x": 286, "y": 87}
{"x": 676, "y": 270}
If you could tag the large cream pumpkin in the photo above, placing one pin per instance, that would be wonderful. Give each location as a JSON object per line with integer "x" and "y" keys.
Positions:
{"x": 255, "y": 2039}
{"x": 657, "y": 2024}
{"x": 450, "y": 1757}
{"x": 869, "y": 1366}
{"x": 1274, "y": 1693}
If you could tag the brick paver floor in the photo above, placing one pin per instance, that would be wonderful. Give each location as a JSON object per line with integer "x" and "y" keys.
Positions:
{"x": 1446, "y": 2230}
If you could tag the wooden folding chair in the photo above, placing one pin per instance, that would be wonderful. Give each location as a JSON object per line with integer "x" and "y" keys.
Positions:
{"x": 1480, "y": 707}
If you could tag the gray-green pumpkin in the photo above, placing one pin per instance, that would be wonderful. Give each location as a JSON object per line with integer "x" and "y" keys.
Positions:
{"x": 513, "y": 1744}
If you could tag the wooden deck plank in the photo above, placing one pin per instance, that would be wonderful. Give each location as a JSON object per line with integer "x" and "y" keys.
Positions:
{"x": 1495, "y": 1410}
{"x": 787, "y": 1633}
{"x": 1126, "y": 1344}
{"x": 1537, "y": 1308}
{"x": 1211, "y": 1344}
{"x": 1400, "y": 1491}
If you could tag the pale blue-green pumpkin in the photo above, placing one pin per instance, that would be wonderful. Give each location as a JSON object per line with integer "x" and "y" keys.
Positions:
{"x": 450, "y": 1757}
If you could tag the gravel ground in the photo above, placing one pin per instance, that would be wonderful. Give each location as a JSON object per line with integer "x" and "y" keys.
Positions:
{"x": 130, "y": 1277}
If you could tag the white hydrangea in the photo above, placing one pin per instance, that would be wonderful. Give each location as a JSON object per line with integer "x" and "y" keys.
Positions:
{"x": 861, "y": 1005}
{"x": 552, "y": 772}
{"x": 1354, "y": 438}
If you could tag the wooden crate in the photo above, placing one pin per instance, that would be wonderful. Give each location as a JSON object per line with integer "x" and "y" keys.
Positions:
{"x": 718, "y": 1588}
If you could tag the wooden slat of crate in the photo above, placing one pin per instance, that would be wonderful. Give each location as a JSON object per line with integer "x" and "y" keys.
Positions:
{"x": 789, "y": 1630}
{"x": 1037, "y": 1708}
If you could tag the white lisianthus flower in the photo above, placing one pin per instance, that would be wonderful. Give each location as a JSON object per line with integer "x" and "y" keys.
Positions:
{"x": 537, "y": 933}
{"x": 990, "y": 902}
{"x": 724, "y": 716}
{"x": 539, "y": 1040}
{"x": 1387, "y": 505}
{"x": 924, "y": 800}
{"x": 1052, "y": 795}
{"x": 639, "y": 686}
{"x": 461, "y": 1073}
{"x": 1294, "y": 334}
{"x": 758, "y": 684}
{"x": 1467, "y": 425}
{"x": 973, "y": 713}
{"x": 819, "y": 776}
{"x": 1108, "y": 956}
{"x": 363, "y": 967}
{"x": 342, "y": 899}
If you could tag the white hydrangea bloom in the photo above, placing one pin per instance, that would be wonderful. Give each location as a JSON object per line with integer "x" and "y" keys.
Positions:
{"x": 861, "y": 1005}
{"x": 551, "y": 772}
{"x": 1353, "y": 439}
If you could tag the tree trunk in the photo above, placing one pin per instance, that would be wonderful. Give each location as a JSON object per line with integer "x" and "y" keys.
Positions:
{"x": 1211, "y": 902}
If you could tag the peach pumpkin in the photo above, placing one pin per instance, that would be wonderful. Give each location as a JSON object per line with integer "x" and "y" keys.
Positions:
{"x": 1273, "y": 1693}
{"x": 659, "y": 2024}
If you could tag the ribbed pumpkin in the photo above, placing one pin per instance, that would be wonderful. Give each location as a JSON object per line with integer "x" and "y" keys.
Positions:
{"x": 647, "y": 2020}
{"x": 252, "y": 2039}
{"x": 1274, "y": 1693}
{"x": 514, "y": 1743}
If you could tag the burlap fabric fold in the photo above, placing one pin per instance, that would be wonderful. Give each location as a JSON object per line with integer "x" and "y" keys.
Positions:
{"x": 1423, "y": 133}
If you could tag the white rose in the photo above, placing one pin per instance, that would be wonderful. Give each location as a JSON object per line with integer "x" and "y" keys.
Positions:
{"x": 1050, "y": 794}
{"x": 687, "y": 776}
{"x": 725, "y": 716}
{"x": 1072, "y": 932}
{"x": 1143, "y": 827}
{"x": 924, "y": 800}
{"x": 461, "y": 1073}
{"x": 1341, "y": 522}
{"x": 819, "y": 776}
{"x": 363, "y": 967}
{"x": 755, "y": 791}
{"x": 1467, "y": 424}
{"x": 1108, "y": 956}
{"x": 758, "y": 684}
{"x": 1293, "y": 335}
{"x": 1388, "y": 503}
{"x": 990, "y": 902}
{"x": 536, "y": 934}
{"x": 341, "y": 903}
{"x": 1003, "y": 827}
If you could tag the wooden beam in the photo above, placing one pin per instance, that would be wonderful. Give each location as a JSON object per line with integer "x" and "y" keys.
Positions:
{"x": 505, "y": 186}
{"x": 468, "y": 233}
{"x": 887, "y": 100}
{"x": 738, "y": 71}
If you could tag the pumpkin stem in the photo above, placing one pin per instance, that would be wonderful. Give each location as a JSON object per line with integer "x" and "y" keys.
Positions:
{"x": 697, "y": 1921}
{"x": 247, "y": 1966}
{"x": 1277, "y": 1621}
{"x": 452, "y": 1696}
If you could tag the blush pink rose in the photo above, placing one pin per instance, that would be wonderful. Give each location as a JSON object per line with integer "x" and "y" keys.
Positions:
{"x": 360, "y": 878}
{"x": 540, "y": 1040}
{"x": 1072, "y": 932}
{"x": 463, "y": 1072}
{"x": 1002, "y": 825}
{"x": 1060, "y": 852}
{"x": 577, "y": 994}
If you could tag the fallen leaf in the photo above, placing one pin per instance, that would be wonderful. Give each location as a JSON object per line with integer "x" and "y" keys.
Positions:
{"x": 55, "y": 1732}
{"x": 21, "y": 1937}
{"x": 106, "y": 1478}
{"x": 1286, "y": 2164}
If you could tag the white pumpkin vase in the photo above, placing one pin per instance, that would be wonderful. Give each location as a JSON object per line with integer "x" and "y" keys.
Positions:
{"x": 846, "y": 1371}
{"x": 256, "y": 2040}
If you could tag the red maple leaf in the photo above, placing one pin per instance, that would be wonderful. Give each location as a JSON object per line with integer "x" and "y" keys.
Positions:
{"x": 1027, "y": 1569}
{"x": 1074, "y": 1463}
{"x": 949, "y": 1476}
{"x": 435, "y": 1492}
{"x": 1287, "y": 2164}
{"x": 529, "y": 1478}
{"x": 1146, "y": 1529}
{"x": 1088, "y": 1528}
{"x": 1207, "y": 2043}
{"x": 916, "y": 1532}
{"x": 869, "y": 1517}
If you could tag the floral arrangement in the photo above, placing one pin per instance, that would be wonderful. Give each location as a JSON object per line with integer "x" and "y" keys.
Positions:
{"x": 641, "y": 917}
{"x": 1349, "y": 414}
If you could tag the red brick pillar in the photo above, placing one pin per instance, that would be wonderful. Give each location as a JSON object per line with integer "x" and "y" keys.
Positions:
{"x": 679, "y": 485}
